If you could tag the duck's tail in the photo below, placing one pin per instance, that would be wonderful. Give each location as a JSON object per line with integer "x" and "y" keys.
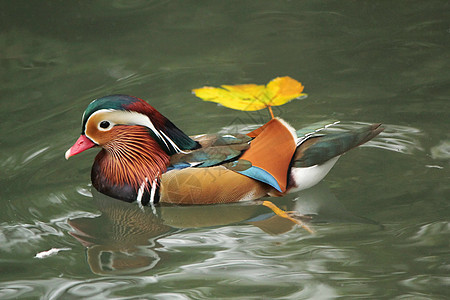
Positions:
{"x": 315, "y": 157}
{"x": 320, "y": 149}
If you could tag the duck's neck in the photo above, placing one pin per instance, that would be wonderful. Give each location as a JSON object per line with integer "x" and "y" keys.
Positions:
{"x": 129, "y": 165}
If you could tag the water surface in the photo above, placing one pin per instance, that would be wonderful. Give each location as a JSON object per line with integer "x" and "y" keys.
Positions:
{"x": 381, "y": 216}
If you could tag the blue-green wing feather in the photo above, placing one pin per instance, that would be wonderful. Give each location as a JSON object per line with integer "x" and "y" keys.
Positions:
{"x": 317, "y": 150}
{"x": 216, "y": 149}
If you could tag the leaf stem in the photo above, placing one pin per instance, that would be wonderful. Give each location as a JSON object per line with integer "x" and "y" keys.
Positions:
{"x": 271, "y": 112}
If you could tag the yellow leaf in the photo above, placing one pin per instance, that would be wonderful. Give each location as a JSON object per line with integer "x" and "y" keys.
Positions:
{"x": 241, "y": 97}
{"x": 283, "y": 89}
{"x": 249, "y": 97}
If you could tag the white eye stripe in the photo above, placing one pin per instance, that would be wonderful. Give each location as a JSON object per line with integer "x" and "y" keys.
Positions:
{"x": 120, "y": 117}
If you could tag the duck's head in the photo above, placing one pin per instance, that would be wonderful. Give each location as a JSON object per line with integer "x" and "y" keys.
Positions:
{"x": 104, "y": 120}
{"x": 136, "y": 140}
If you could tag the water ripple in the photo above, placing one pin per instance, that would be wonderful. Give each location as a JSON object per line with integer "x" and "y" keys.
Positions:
{"x": 63, "y": 288}
{"x": 14, "y": 291}
{"x": 441, "y": 151}
{"x": 14, "y": 237}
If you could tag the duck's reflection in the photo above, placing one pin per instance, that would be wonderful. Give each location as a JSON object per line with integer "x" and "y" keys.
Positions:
{"x": 120, "y": 239}
{"x": 123, "y": 238}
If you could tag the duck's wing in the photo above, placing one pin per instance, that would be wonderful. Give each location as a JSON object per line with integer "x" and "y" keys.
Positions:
{"x": 215, "y": 149}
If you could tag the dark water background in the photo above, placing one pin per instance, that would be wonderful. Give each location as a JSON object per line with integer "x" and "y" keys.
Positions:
{"x": 381, "y": 216}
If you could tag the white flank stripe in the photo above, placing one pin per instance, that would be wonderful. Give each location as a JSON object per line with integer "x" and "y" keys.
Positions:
{"x": 152, "y": 195}
{"x": 153, "y": 191}
{"x": 141, "y": 192}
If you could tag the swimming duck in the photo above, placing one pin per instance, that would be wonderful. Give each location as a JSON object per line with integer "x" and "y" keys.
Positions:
{"x": 144, "y": 157}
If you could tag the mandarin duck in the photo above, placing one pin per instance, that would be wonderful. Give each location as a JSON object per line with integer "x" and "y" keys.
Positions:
{"x": 146, "y": 158}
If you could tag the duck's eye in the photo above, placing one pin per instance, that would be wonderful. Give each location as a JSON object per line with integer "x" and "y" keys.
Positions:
{"x": 104, "y": 124}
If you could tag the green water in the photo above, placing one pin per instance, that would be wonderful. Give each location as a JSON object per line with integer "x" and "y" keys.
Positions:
{"x": 381, "y": 217}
